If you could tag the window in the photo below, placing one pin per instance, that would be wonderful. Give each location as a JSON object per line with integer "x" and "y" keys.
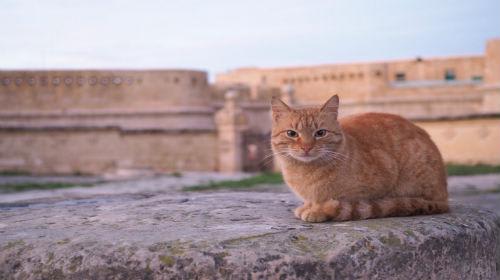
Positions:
{"x": 19, "y": 81}
{"x": 117, "y": 80}
{"x": 477, "y": 78}
{"x": 449, "y": 75}
{"x": 6, "y": 81}
{"x": 92, "y": 81}
{"x": 31, "y": 81}
{"x": 68, "y": 81}
{"x": 400, "y": 76}
{"x": 104, "y": 81}
{"x": 80, "y": 81}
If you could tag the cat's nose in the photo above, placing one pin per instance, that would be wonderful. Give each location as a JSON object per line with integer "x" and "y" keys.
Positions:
{"x": 306, "y": 149}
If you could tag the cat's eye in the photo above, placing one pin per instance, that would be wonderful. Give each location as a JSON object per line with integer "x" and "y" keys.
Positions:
{"x": 320, "y": 133}
{"x": 292, "y": 133}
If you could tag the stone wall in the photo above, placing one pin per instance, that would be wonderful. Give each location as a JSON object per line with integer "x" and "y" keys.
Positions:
{"x": 313, "y": 84}
{"x": 174, "y": 118}
{"x": 106, "y": 150}
{"x": 359, "y": 82}
{"x": 22, "y": 91}
{"x": 105, "y": 121}
{"x": 466, "y": 141}
{"x": 364, "y": 81}
{"x": 420, "y": 107}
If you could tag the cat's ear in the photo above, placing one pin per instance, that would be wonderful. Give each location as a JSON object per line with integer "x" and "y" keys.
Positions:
{"x": 278, "y": 108}
{"x": 331, "y": 105}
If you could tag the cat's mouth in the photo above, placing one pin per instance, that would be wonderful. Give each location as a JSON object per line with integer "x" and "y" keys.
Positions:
{"x": 305, "y": 158}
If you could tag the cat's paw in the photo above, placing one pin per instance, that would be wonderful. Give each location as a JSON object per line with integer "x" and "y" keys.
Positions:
{"x": 299, "y": 210}
{"x": 313, "y": 216}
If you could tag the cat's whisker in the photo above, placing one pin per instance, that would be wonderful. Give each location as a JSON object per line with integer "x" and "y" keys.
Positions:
{"x": 335, "y": 155}
{"x": 333, "y": 152}
{"x": 268, "y": 160}
{"x": 275, "y": 153}
{"x": 338, "y": 155}
{"x": 270, "y": 157}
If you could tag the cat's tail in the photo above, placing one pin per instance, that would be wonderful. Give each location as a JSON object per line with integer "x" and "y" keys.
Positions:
{"x": 340, "y": 210}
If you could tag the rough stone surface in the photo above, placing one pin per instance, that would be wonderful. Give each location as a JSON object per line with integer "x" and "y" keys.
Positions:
{"x": 238, "y": 235}
{"x": 104, "y": 186}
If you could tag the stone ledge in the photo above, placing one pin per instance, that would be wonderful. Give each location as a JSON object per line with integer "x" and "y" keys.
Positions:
{"x": 240, "y": 235}
{"x": 120, "y": 129}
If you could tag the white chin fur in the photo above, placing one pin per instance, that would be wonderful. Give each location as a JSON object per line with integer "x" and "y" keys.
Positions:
{"x": 305, "y": 159}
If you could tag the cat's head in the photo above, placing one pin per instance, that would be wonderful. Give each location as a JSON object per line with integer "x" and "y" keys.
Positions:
{"x": 306, "y": 134}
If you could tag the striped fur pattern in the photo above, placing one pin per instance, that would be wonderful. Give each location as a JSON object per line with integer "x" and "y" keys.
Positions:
{"x": 369, "y": 209}
{"x": 365, "y": 166}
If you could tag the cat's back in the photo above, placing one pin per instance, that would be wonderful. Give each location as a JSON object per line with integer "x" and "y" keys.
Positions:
{"x": 375, "y": 127}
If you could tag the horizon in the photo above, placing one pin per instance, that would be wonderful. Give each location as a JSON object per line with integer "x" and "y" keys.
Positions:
{"x": 375, "y": 61}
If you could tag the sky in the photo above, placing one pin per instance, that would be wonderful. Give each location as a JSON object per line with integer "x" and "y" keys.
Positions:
{"x": 217, "y": 36}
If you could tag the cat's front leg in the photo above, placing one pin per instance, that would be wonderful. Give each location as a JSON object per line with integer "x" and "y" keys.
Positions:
{"x": 320, "y": 212}
{"x": 299, "y": 210}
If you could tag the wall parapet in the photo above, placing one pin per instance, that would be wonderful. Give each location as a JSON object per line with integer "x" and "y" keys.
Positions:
{"x": 434, "y": 83}
{"x": 179, "y": 119}
{"x": 109, "y": 112}
{"x": 90, "y": 128}
{"x": 234, "y": 234}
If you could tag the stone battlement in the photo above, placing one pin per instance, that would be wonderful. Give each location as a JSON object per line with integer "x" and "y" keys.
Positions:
{"x": 102, "y": 89}
{"x": 364, "y": 81}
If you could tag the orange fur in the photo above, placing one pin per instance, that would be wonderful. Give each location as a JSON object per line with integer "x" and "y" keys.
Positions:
{"x": 365, "y": 166}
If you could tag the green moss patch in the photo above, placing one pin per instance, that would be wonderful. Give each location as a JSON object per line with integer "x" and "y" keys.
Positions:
{"x": 19, "y": 187}
{"x": 264, "y": 178}
{"x": 461, "y": 169}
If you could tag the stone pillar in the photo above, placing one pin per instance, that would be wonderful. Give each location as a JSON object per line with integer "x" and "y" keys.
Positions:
{"x": 231, "y": 122}
{"x": 492, "y": 62}
{"x": 491, "y": 87}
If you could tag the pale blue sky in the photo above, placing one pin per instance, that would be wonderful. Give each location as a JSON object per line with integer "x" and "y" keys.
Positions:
{"x": 222, "y": 35}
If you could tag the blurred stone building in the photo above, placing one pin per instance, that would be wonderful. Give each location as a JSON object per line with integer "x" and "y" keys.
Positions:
{"x": 96, "y": 122}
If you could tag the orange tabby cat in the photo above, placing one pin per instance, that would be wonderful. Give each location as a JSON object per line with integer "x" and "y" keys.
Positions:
{"x": 364, "y": 166}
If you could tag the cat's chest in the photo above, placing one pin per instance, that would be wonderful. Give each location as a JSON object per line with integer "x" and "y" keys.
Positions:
{"x": 307, "y": 177}
{"x": 318, "y": 184}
